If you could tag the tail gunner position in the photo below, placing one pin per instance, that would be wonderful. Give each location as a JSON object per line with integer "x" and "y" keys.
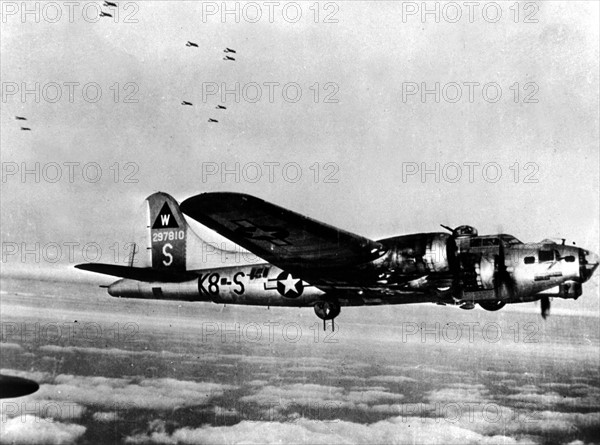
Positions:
{"x": 303, "y": 262}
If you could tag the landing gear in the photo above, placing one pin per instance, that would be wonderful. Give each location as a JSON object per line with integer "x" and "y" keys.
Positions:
{"x": 327, "y": 310}
{"x": 492, "y": 305}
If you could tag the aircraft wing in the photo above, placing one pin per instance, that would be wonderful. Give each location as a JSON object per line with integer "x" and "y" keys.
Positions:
{"x": 284, "y": 238}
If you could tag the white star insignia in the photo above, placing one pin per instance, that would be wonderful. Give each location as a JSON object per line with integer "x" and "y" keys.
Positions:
{"x": 290, "y": 284}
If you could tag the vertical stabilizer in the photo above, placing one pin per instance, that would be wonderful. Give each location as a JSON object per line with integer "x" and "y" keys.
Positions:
{"x": 168, "y": 233}
{"x": 176, "y": 247}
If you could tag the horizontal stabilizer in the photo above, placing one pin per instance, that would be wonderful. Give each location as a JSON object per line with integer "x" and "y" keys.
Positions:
{"x": 137, "y": 273}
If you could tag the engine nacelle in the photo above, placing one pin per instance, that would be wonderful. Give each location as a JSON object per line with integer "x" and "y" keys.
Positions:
{"x": 417, "y": 254}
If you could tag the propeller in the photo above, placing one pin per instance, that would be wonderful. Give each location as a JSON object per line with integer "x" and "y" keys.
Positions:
{"x": 504, "y": 283}
{"x": 457, "y": 288}
{"x": 545, "y": 306}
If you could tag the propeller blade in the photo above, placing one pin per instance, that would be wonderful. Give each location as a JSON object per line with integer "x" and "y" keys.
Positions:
{"x": 504, "y": 284}
{"x": 545, "y": 307}
{"x": 457, "y": 290}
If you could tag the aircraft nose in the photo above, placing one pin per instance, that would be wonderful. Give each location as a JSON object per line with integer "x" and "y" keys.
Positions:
{"x": 588, "y": 263}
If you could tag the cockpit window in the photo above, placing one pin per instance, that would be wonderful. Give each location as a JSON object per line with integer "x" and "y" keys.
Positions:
{"x": 570, "y": 259}
{"x": 475, "y": 242}
{"x": 546, "y": 255}
{"x": 509, "y": 239}
{"x": 490, "y": 242}
{"x": 529, "y": 260}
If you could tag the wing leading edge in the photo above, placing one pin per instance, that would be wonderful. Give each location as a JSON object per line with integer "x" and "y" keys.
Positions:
{"x": 282, "y": 237}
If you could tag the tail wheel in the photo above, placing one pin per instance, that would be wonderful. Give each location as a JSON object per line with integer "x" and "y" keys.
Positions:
{"x": 492, "y": 305}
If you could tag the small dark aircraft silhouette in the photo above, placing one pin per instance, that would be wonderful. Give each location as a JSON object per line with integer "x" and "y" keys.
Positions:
{"x": 20, "y": 118}
{"x": 220, "y": 107}
{"x": 228, "y": 58}
{"x": 25, "y": 129}
{"x": 213, "y": 120}
{"x": 187, "y": 103}
{"x": 191, "y": 44}
{"x": 114, "y": 5}
{"x": 229, "y": 50}
{"x": 105, "y": 14}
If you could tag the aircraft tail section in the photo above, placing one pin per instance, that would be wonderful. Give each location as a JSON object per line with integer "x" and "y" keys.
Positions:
{"x": 168, "y": 233}
{"x": 166, "y": 249}
{"x": 176, "y": 247}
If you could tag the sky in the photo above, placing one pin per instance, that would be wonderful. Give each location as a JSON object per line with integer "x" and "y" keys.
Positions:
{"x": 328, "y": 120}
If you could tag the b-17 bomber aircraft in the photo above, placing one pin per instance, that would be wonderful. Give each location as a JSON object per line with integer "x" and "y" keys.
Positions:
{"x": 303, "y": 262}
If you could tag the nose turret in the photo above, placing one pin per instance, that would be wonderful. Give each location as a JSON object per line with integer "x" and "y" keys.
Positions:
{"x": 588, "y": 263}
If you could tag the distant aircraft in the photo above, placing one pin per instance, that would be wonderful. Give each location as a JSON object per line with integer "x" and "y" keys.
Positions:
{"x": 303, "y": 262}
{"x": 114, "y": 5}
{"x": 220, "y": 107}
{"x": 16, "y": 386}
{"x": 228, "y": 58}
{"x": 213, "y": 120}
{"x": 229, "y": 50}
{"x": 19, "y": 118}
{"x": 25, "y": 129}
{"x": 187, "y": 103}
{"x": 191, "y": 44}
{"x": 105, "y": 14}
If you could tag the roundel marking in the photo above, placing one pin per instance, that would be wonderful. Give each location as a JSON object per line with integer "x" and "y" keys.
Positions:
{"x": 288, "y": 286}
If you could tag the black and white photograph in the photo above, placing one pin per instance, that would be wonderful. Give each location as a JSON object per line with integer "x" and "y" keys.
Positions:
{"x": 300, "y": 222}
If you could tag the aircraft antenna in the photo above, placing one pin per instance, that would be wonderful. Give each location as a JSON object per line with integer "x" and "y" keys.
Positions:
{"x": 133, "y": 252}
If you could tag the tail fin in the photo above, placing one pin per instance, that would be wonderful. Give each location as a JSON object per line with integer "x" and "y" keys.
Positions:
{"x": 168, "y": 233}
{"x": 174, "y": 245}
{"x": 168, "y": 248}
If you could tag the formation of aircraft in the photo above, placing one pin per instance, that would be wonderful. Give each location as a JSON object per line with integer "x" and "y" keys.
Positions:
{"x": 21, "y": 118}
{"x": 227, "y": 58}
{"x": 307, "y": 263}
